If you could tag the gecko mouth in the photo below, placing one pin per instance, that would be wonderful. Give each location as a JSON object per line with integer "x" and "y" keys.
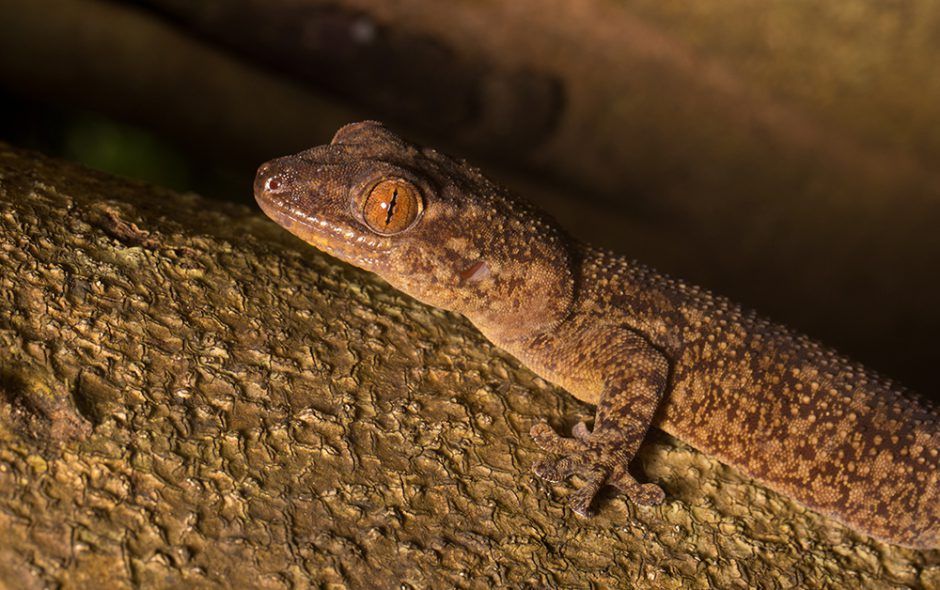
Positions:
{"x": 343, "y": 242}
{"x": 279, "y": 203}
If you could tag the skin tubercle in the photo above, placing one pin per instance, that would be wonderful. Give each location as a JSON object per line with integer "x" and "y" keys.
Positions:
{"x": 646, "y": 349}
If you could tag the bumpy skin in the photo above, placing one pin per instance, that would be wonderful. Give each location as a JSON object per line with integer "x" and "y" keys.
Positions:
{"x": 648, "y": 350}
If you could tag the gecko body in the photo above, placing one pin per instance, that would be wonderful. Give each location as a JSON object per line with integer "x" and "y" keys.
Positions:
{"x": 646, "y": 349}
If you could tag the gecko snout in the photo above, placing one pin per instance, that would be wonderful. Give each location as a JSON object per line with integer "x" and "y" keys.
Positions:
{"x": 268, "y": 180}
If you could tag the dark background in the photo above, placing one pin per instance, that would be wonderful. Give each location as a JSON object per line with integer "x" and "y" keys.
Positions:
{"x": 782, "y": 153}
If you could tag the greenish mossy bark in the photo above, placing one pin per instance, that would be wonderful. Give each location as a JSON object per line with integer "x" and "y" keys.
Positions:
{"x": 189, "y": 396}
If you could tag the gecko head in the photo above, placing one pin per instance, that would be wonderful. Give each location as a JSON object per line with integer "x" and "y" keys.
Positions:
{"x": 432, "y": 226}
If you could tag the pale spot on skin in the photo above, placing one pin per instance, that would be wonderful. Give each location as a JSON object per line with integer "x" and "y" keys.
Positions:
{"x": 475, "y": 273}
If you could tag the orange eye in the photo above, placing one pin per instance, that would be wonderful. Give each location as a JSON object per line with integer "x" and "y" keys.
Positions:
{"x": 392, "y": 206}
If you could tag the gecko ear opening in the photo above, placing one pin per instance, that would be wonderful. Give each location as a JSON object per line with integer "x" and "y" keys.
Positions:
{"x": 362, "y": 132}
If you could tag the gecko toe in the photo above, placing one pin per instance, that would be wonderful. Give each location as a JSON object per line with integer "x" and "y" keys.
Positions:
{"x": 580, "y": 431}
{"x": 547, "y": 470}
{"x": 650, "y": 495}
{"x": 555, "y": 469}
{"x": 647, "y": 494}
{"x": 550, "y": 441}
{"x": 581, "y": 500}
{"x": 598, "y": 458}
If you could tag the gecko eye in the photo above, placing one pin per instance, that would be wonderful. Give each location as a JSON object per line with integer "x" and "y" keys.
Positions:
{"x": 392, "y": 206}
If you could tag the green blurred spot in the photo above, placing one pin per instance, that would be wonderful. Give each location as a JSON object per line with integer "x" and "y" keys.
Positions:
{"x": 125, "y": 151}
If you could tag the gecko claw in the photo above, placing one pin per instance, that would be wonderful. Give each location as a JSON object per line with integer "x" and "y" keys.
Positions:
{"x": 598, "y": 460}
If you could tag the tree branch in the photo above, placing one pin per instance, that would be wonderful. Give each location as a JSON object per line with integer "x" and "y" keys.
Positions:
{"x": 189, "y": 396}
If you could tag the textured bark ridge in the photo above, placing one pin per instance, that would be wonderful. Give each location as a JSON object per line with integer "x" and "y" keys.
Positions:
{"x": 188, "y": 396}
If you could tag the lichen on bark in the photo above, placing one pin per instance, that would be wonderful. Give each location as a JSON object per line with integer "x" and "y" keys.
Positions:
{"x": 190, "y": 397}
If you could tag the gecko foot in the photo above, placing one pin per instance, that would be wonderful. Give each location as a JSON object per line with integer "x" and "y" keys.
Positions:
{"x": 599, "y": 458}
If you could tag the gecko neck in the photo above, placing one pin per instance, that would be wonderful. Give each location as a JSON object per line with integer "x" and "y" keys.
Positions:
{"x": 528, "y": 308}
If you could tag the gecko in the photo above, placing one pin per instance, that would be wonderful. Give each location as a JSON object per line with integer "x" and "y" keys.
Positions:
{"x": 644, "y": 348}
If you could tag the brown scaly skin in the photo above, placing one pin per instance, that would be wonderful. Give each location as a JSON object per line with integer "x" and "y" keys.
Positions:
{"x": 645, "y": 348}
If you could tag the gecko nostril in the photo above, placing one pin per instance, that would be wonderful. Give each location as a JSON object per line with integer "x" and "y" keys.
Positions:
{"x": 271, "y": 179}
{"x": 273, "y": 184}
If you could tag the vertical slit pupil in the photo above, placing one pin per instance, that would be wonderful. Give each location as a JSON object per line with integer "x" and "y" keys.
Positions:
{"x": 391, "y": 207}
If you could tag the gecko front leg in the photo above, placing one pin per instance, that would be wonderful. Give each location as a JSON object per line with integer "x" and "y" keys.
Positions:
{"x": 634, "y": 376}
